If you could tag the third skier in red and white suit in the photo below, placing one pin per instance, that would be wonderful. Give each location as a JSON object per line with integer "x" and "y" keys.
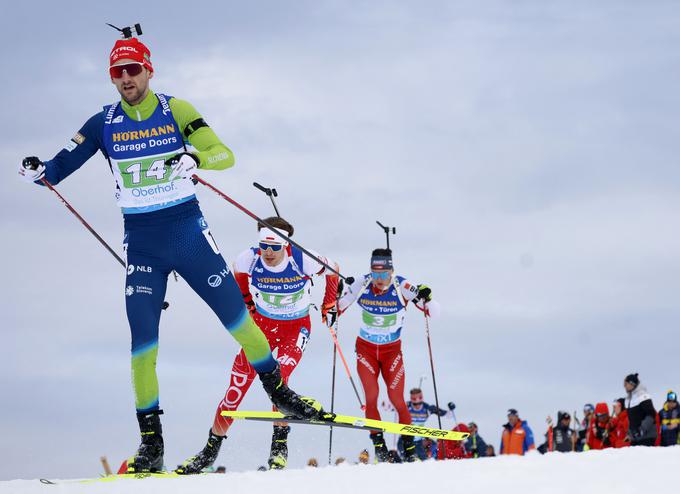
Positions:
{"x": 274, "y": 278}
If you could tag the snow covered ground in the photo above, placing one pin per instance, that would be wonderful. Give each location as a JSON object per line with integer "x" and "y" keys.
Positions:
{"x": 632, "y": 470}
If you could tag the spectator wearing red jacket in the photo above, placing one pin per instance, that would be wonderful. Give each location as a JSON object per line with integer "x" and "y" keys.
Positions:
{"x": 454, "y": 450}
{"x": 618, "y": 425}
{"x": 598, "y": 431}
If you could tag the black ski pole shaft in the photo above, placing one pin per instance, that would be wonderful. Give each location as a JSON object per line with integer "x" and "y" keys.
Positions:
{"x": 224, "y": 196}
{"x": 271, "y": 193}
{"x": 82, "y": 220}
{"x": 89, "y": 228}
{"x": 434, "y": 380}
{"x": 330, "y": 436}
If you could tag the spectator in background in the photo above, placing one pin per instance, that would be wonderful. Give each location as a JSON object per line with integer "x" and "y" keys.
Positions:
{"x": 363, "y": 457}
{"x": 517, "y": 436}
{"x": 420, "y": 412}
{"x": 563, "y": 437}
{"x": 475, "y": 445}
{"x": 588, "y": 414}
{"x": 670, "y": 420}
{"x": 490, "y": 451}
{"x": 641, "y": 412}
{"x": 339, "y": 461}
{"x": 454, "y": 450}
{"x": 618, "y": 425}
{"x": 312, "y": 463}
{"x": 598, "y": 432}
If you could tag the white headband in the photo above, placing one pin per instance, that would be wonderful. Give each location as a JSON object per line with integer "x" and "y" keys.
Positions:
{"x": 269, "y": 236}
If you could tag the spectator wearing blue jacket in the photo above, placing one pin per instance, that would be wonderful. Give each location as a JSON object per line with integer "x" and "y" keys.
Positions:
{"x": 475, "y": 444}
{"x": 669, "y": 416}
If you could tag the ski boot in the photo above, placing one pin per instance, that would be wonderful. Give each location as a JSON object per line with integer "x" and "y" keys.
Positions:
{"x": 288, "y": 401}
{"x": 278, "y": 457}
{"x": 205, "y": 458}
{"x": 149, "y": 455}
{"x": 410, "y": 453}
{"x": 382, "y": 455}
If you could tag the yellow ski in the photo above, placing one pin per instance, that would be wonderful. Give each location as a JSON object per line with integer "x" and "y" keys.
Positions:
{"x": 352, "y": 423}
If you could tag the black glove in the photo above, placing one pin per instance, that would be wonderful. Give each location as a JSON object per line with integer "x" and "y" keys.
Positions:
{"x": 32, "y": 169}
{"x": 31, "y": 163}
{"x": 424, "y": 293}
{"x": 451, "y": 405}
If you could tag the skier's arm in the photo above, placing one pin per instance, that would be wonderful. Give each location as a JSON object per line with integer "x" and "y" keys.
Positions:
{"x": 352, "y": 292}
{"x": 409, "y": 291}
{"x": 312, "y": 267}
{"x": 241, "y": 268}
{"x": 212, "y": 153}
{"x": 82, "y": 146}
{"x": 437, "y": 411}
{"x": 421, "y": 295}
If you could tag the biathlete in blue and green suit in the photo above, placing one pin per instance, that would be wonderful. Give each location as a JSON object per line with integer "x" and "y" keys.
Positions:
{"x": 142, "y": 137}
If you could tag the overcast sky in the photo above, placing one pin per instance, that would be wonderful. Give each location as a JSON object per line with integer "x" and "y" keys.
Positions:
{"x": 524, "y": 151}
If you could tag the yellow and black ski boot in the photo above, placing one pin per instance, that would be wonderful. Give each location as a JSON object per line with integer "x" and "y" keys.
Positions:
{"x": 381, "y": 453}
{"x": 278, "y": 457}
{"x": 205, "y": 458}
{"x": 149, "y": 455}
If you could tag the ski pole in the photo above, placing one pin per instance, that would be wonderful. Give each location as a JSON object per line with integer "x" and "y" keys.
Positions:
{"x": 434, "y": 381}
{"x": 224, "y": 196}
{"x": 344, "y": 362}
{"x": 82, "y": 220}
{"x": 89, "y": 228}
{"x": 330, "y": 437}
{"x": 271, "y": 193}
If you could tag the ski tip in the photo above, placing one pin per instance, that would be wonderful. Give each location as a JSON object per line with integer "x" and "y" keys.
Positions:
{"x": 47, "y": 482}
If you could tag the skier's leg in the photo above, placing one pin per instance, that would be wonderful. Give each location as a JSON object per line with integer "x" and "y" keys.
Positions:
{"x": 368, "y": 368}
{"x": 392, "y": 366}
{"x": 242, "y": 376}
{"x": 288, "y": 340}
{"x": 204, "y": 269}
{"x": 145, "y": 287}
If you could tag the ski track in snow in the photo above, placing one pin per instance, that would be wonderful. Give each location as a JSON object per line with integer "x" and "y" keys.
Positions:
{"x": 623, "y": 471}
